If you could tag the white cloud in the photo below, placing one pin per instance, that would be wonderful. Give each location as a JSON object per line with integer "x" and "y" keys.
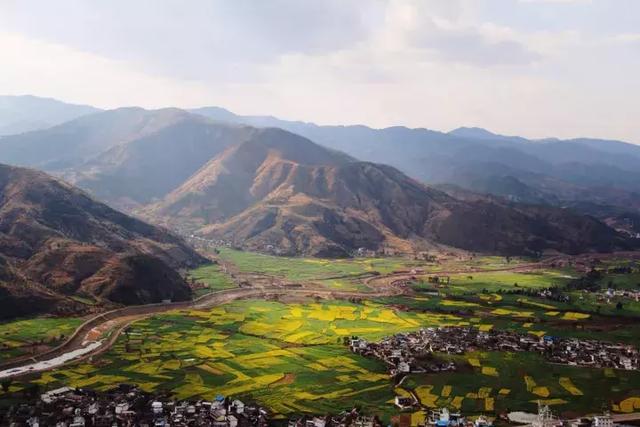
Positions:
{"x": 47, "y": 69}
{"x": 555, "y": 1}
{"x": 630, "y": 38}
{"x": 431, "y": 63}
{"x": 227, "y": 40}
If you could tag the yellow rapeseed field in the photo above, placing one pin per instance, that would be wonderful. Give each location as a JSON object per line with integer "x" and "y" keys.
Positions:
{"x": 489, "y": 370}
{"x": 630, "y": 404}
{"x": 570, "y": 315}
{"x": 568, "y": 385}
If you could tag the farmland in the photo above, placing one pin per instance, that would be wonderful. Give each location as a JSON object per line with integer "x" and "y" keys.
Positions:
{"x": 318, "y": 268}
{"x": 310, "y": 268}
{"x": 507, "y": 280}
{"x": 22, "y": 337}
{"x": 213, "y": 277}
{"x": 289, "y": 355}
{"x": 511, "y": 381}
{"x": 347, "y": 274}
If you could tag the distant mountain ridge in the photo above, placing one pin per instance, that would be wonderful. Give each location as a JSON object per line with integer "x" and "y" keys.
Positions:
{"x": 553, "y": 171}
{"x": 19, "y": 114}
{"x": 75, "y": 142}
{"x": 300, "y": 198}
{"x": 252, "y": 181}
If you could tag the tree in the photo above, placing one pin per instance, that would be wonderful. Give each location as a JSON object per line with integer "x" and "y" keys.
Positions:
{"x": 619, "y": 305}
{"x": 33, "y": 390}
{"x": 6, "y": 383}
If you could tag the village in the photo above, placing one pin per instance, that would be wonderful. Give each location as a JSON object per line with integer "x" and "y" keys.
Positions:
{"x": 127, "y": 405}
{"x": 413, "y": 352}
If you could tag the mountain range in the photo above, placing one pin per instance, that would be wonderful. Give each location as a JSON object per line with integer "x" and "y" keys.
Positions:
{"x": 261, "y": 182}
{"x": 265, "y": 187}
{"x": 556, "y": 170}
{"x": 290, "y": 193}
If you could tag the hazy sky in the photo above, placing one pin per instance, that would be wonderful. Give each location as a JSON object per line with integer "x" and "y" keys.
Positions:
{"x": 530, "y": 67}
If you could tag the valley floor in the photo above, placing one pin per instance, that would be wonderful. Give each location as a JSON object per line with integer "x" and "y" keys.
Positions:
{"x": 287, "y": 351}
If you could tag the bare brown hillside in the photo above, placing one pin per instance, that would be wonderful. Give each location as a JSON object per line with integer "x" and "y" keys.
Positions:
{"x": 302, "y": 198}
{"x": 57, "y": 242}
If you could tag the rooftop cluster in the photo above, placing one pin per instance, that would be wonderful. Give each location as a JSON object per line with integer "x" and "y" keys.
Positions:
{"x": 127, "y": 405}
{"x": 413, "y": 352}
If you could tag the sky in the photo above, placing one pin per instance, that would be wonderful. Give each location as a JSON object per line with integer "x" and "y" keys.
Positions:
{"x": 535, "y": 68}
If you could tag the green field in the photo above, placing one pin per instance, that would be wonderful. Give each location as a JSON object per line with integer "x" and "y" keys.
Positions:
{"x": 497, "y": 382}
{"x": 22, "y": 336}
{"x": 318, "y": 268}
{"x": 342, "y": 274}
{"x": 290, "y": 357}
{"x": 213, "y": 277}
{"x": 507, "y": 280}
{"x": 622, "y": 281}
{"x": 312, "y": 268}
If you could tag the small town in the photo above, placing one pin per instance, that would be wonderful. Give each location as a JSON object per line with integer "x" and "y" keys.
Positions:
{"x": 127, "y": 405}
{"x": 411, "y": 352}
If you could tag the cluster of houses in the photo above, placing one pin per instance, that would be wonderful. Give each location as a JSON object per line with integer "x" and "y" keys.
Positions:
{"x": 608, "y": 296}
{"x": 546, "y": 418}
{"x": 413, "y": 352}
{"x": 127, "y": 405}
{"x": 402, "y": 353}
{"x": 442, "y": 417}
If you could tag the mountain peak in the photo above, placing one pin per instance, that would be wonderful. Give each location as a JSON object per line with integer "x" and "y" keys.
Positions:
{"x": 473, "y": 132}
